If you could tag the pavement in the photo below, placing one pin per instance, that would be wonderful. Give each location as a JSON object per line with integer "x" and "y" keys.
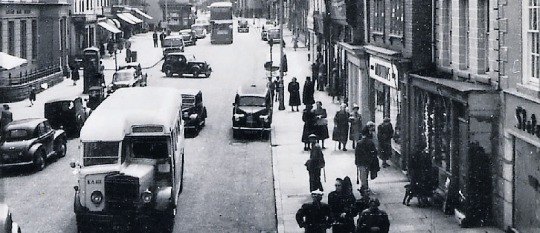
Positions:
{"x": 291, "y": 177}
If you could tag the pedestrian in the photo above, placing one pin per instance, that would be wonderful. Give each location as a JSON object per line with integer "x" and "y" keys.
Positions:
{"x": 314, "y": 217}
{"x": 294, "y": 94}
{"x": 74, "y": 66}
{"x": 155, "y": 38}
{"x": 101, "y": 49}
{"x": 321, "y": 123}
{"x": 334, "y": 87}
{"x": 322, "y": 76}
{"x": 315, "y": 74}
{"x": 307, "y": 92}
{"x": 309, "y": 124}
{"x": 341, "y": 203}
{"x": 284, "y": 66}
{"x": 385, "y": 132}
{"x": 32, "y": 96}
{"x": 6, "y": 116}
{"x": 314, "y": 164}
{"x": 295, "y": 42}
{"x": 110, "y": 47}
{"x": 341, "y": 127}
{"x": 272, "y": 87}
{"x": 101, "y": 67}
{"x": 364, "y": 155}
{"x": 161, "y": 38}
{"x": 373, "y": 219}
{"x": 356, "y": 125}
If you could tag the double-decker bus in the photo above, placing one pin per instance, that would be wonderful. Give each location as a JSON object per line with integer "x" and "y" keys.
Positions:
{"x": 131, "y": 161}
{"x": 221, "y": 22}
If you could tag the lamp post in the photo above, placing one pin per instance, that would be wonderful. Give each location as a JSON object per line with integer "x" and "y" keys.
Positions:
{"x": 282, "y": 42}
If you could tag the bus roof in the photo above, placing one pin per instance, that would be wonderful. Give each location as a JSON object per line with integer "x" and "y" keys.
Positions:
{"x": 221, "y": 4}
{"x": 127, "y": 107}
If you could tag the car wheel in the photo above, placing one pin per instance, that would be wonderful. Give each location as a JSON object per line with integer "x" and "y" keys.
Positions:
{"x": 196, "y": 73}
{"x": 61, "y": 148}
{"x": 207, "y": 74}
{"x": 168, "y": 72}
{"x": 39, "y": 160}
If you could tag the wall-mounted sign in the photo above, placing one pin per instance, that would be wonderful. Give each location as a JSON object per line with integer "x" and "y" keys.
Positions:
{"x": 383, "y": 71}
{"x": 338, "y": 10}
{"x": 527, "y": 123}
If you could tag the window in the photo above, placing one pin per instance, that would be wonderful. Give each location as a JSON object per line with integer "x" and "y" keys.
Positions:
{"x": 34, "y": 39}
{"x": 448, "y": 23}
{"x": 11, "y": 38}
{"x": 1, "y": 38}
{"x": 396, "y": 17}
{"x": 485, "y": 19}
{"x": 464, "y": 10}
{"x": 378, "y": 18}
{"x": 533, "y": 42}
{"x": 23, "y": 39}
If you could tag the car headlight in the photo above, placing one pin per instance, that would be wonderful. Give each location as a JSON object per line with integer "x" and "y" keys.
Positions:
{"x": 146, "y": 196}
{"x": 185, "y": 114}
{"x": 238, "y": 116}
{"x": 96, "y": 197}
{"x": 193, "y": 116}
{"x": 264, "y": 118}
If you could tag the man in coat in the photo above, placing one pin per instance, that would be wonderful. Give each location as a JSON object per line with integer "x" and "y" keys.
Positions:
{"x": 6, "y": 116}
{"x": 161, "y": 38}
{"x": 341, "y": 127}
{"x": 314, "y": 217}
{"x": 356, "y": 125}
{"x": 385, "y": 132}
{"x": 155, "y": 38}
{"x": 314, "y": 164}
{"x": 315, "y": 73}
{"x": 364, "y": 156}
{"x": 307, "y": 92}
{"x": 373, "y": 219}
{"x": 294, "y": 94}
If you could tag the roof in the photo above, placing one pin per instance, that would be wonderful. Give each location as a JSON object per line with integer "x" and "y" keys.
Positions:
{"x": 188, "y": 56}
{"x": 221, "y": 4}
{"x": 190, "y": 91}
{"x": 253, "y": 90}
{"x": 186, "y": 30}
{"x": 113, "y": 118}
{"x": 174, "y": 37}
{"x": 126, "y": 70}
{"x": 70, "y": 98}
{"x": 29, "y": 123}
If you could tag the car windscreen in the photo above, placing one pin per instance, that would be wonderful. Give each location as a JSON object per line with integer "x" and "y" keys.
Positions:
{"x": 98, "y": 153}
{"x": 251, "y": 101}
{"x": 121, "y": 77}
{"x": 172, "y": 42}
{"x": 273, "y": 33}
{"x": 59, "y": 106}
{"x": 16, "y": 135}
{"x": 188, "y": 101}
{"x": 198, "y": 28}
{"x": 148, "y": 147}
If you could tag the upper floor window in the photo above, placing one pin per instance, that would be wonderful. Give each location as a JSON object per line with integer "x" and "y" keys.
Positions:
{"x": 378, "y": 19}
{"x": 396, "y": 17}
{"x": 533, "y": 43}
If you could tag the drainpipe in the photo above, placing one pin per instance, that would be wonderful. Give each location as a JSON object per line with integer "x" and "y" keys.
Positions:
{"x": 433, "y": 23}
{"x": 499, "y": 48}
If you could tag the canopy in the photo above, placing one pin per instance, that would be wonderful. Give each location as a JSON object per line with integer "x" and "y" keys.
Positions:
{"x": 142, "y": 13}
{"x": 125, "y": 18}
{"x": 132, "y": 18}
{"x": 109, "y": 27}
{"x": 8, "y": 62}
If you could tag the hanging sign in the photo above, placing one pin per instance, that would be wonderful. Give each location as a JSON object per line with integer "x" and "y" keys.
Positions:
{"x": 383, "y": 71}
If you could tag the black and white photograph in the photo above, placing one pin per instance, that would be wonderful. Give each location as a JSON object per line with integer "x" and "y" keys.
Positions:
{"x": 269, "y": 116}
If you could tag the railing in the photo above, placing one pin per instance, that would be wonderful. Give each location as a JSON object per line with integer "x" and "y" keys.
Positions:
{"x": 29, "y": 76}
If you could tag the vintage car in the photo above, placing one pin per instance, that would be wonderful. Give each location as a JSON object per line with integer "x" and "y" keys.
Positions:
{"x": 199, "y": 30}
{"x": 31, "y": 142}
{"x": 189, "y": 37}
{"x": 273, "y": 35}
{"x": 7, "y": 225}
{"x": 184, "y": 63}
{"x": 243, "y": 25}
{"x": 173, "y": 43}
{"x": 96, "y": 95}
{"x": 128, "y": 77}
{"x": 264, "y": 32}
{"x": 252, "y": 110}
{"x": 68, "y": 114}
{"x": 193, "y": 110}
{"x": 204, "y": 22}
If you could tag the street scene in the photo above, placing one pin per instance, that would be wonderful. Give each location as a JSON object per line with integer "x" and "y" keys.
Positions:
{"x": 207, "y": 116}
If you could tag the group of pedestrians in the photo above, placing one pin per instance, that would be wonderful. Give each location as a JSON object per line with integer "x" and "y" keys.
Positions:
{"x": 161, "y": 37}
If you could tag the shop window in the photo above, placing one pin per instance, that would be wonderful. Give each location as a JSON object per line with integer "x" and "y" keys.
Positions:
{"x": 435, "y": 131}
{"x": 396, "y": 17}
{"x": 532, "y": 43}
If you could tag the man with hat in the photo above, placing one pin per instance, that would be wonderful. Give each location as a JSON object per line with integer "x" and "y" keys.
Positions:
{"x": 314, "y": 164}
{"x": 314, "y": 217}
{"x": 373, "y": 219}
{"x": 355, "y": 119}
{"x": 385, "y": 132}
{"x": 365, "y": 155}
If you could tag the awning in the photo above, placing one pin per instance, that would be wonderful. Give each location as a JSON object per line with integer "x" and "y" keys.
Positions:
{"x": 114, "y": 22}
{"x": 8, "y": 62}
{"x": 109, "y": 27}
{"x": 125, "y": 18}
{"x": 142, "y": 13}
{"x": 133, "y": 18}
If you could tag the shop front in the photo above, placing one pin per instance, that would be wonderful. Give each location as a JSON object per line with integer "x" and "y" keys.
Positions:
{"x": 452, "y": 130}
{"x": 522, "y": 146}
{"x": 383, "y": 95}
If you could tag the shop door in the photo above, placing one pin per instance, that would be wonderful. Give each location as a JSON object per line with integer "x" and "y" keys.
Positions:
{"x": 527, "y": 187}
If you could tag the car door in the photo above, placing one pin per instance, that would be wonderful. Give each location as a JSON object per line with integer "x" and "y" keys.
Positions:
{"x": 46, "y": 136}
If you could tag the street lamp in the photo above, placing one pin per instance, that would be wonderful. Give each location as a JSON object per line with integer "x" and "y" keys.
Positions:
{"x": 282, "y": 42}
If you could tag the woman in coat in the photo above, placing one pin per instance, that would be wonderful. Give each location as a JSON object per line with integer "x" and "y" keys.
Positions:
{"x": 321, "y": 123}
{"x": 355, "y": 133}
{"x": 341, "y": 127}
{"x": 294, "y": 94}
{"x": 309, "y": 125}
{"x": 307, "y": 92}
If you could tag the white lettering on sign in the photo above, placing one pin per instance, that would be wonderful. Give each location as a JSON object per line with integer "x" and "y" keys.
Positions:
{"x": 383, "y": 71}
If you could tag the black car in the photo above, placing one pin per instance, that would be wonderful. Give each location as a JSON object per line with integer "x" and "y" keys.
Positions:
{"x": 193, "y": 110}
{"x": 189, "y": 37}
{"x": 31, "y": 142}
{"x": 184, "y": 63}
{"x": 96, "y": 95}
{"x": 68, "y": 114}
{"x": 128, "y": 77}
{"x": 243, "y": 25}
{"x": 252, "y": 110}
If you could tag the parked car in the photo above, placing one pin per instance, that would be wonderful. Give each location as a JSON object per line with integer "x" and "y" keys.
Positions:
{"x": 31, "y": 142}
{"x": 204, "y": 22}
{"x": 243, "y": 25}
{"x": 96, "y": 95}
{"x": 189, "y": 37}
{"x": 273, "y": 35}
{"x": 252, "y": 110}
{"x": 184, "y": 63}
{"x": 128, "y": 77}
{"x": 193, "y": 110}
{"x": 7, "y": 224}
{"x": 68, "y": 114}
{"x": 267, "y": 25}
{"x": 173, "y": 43}
{"x": 200, "y": 31}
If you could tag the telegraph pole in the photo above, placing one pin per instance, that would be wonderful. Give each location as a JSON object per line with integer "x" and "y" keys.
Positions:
{"x": 282, "y": 42}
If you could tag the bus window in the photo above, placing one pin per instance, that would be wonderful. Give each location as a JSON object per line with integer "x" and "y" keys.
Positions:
{"x": 98, "y": 153}
{"x": 150, "y": 148}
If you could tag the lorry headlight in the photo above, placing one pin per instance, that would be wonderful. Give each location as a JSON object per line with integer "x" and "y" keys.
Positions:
{"x": 96, "y": 197}
{"x": 146, "y": 196}
{"x": 193, "y": 116}
{"x": 185, "y": 114}
{"x": 238, "y": 116}
{"x": 264, "y": 118}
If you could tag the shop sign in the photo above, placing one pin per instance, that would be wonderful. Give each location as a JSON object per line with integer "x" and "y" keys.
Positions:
{"x": 383, "y": 71}
{"x": 526, "y": 123}
{"x": 338, "y": 10}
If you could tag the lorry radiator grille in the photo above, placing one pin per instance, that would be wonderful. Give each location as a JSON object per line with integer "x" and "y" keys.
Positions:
{"x": 121, "y": 192}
